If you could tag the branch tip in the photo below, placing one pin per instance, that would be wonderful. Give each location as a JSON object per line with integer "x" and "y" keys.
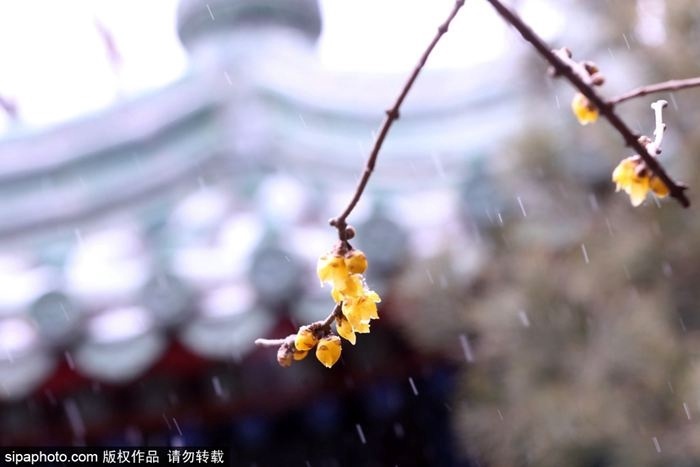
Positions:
{"x": 576, "y": 74}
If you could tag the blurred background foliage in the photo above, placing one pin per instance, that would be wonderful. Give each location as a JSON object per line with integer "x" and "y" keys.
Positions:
{"x": 583, "y": 321}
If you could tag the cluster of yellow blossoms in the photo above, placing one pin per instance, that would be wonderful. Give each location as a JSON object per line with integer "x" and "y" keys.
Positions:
{"x": 359, "y": 304}
{"x": 632, "y": 176}
{"x": 356, "y": 306}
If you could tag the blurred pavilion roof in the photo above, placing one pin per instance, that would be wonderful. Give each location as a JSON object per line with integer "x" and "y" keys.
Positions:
{"x": 197, "y": 210}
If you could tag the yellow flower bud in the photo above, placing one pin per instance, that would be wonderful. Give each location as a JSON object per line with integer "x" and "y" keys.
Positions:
{"x": 356, "y": 262}
{"x": 328, "y": 350}
{"x": 300, "y": 354}
{"x": 305, "y": 339}
{"x": 344, "y": 328}
{"x": 585, "y": 112}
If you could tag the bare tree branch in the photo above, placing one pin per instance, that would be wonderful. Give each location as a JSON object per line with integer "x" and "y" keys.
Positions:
{"x": 392, "y": 114}
{"x": 565, "y": 69}
{"x": 673, "y": 85}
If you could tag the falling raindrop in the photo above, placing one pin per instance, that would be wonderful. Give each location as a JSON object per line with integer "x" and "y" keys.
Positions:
{"x": 467, "y": 348}
{"x": 585, "y": 253}
{"x": 69, "y": 360}
{"x": 167, "y": 422}
{"x": 217, "y": 386}
{"x": 74, "y": 418}
{"x": 687, "y": 410}
{"x": 50, "y": 397}
{"x": 522, "y": 208}
{"x": 522, "y": 314}
{"x": 593, "y": 201}
{"x": 627, "y": 43}
{"x": 656, "y": 444}
{"x": 673, "y": 100}
{"x": 413, "y": 386}
{"x": 610, "y": 229}
{"x": 398, "y": 430}
{"x": 177, "y": 426}
{"x": 438, "y": 164}
{"x": 361, "y": 434}
{"x": 488, "y": 215}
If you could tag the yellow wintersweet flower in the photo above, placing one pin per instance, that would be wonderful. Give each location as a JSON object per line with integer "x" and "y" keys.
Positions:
{"x": 331, "y": 268}
{"x": 344, "y": 328}
{"x": 328, "y": 350}
{"x": 364, "y": 306}
{"x": 583, "y": 109}
{"x": 351, "y": 286}
{"x": 305, "y": 339}
{"x": 360, "y": 310}
{"x": 300, "y": 354}
{"x": 637, "y": 182}
{"x": 356, "y": 261}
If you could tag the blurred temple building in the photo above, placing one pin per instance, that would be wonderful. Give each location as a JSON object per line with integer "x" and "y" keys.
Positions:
{"x": 144, "y": 248}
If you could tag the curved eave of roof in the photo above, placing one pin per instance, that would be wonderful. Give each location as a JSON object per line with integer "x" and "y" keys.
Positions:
{"x": 366, "y": 95}
{"x": 197, "y": 19}
{"x": 141, "y": 150}
{"x": 40, "y": 151}
{"x": 326, "y": 121}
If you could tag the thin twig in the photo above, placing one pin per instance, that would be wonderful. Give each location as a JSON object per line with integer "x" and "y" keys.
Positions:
{"x": 269, "y": 342}
{"x": 392, "y": 114}
{"x": 676, "y": 190}
{"x": 336, "y": 312}
{"x": 673, "y": 85}
{"x": 323, "y": 328}
{"x": 340, "y": 222}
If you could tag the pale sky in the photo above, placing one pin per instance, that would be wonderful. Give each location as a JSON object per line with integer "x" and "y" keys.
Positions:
{"x": 53, "y": 61}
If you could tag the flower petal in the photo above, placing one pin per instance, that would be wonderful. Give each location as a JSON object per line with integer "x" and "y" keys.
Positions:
{"x": 658, "y": 187}
{"x": 356, "y": 261}
{"x": 344, "y": 328}
{"x": 583, "y": 110}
